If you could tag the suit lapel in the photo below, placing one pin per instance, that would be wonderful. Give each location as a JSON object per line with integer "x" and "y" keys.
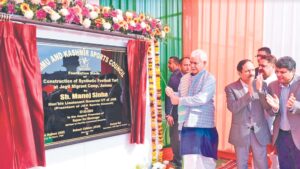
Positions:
{"x": 240, "y": 88}
{"x": 242, "y": 92}
{"x": 294, "y": 85}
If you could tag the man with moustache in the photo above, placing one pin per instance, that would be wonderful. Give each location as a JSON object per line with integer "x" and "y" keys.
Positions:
{"x": 249, "y": 128}
{"x": 263, "y": 51}
{"x": 199, "y": 136}
{"x": 266, "y": 69}
{"x": 284, "y": 98}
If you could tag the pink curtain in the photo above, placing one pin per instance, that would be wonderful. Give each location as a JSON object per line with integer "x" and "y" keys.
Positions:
{"x": 228, "y": 31}
{"x": 137, "y": 70}
{"x": 21, "y": 111}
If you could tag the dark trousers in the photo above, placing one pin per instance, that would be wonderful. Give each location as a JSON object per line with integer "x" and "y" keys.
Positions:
{"x": 288, "y": 154}
{"x": 175, "y": 143}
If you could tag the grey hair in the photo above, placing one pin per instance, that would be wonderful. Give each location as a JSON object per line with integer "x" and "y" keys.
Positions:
{"x": 199, "y": 53}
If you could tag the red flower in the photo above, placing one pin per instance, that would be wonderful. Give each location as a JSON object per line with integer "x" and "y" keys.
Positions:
{"x": 11, "y": 9}
{"x": 52, "y": 5}
{"x": 116, "y": 26}
{"x": 85, "y": 12}
{"x": 41, "y": 14}
{"x": 114, "y": 13}
{"x": 79, "y": 3}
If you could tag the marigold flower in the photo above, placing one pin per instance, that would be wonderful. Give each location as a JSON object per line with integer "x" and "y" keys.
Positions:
{"x": 122, "y": 23}
{"x": 157, "y": 32}
{"x": 136, "y": 20}
{"x": 148, "y": 28}
{"x": 167, "y": 29}
{"x": 105, "y": 9}
{"x": 65, "y": 3}
{"x": 142, "y": 16}
{"x": 24, "y": 7}
{"x": 99, "y": 21}
{"x": 2, "y": 2}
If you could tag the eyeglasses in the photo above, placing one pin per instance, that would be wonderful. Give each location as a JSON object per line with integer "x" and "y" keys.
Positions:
{"x": 263, "y": 66}
{"x": 260, "y": 55}
{"x": 281, "y": 72}
{"x": 194, "y": 63}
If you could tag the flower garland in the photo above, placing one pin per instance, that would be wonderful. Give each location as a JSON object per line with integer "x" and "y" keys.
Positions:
{"x": 152, "y": 104}
{"x": 88, "y": 15}
{"x": 158, "y": 99}
{"x": 155, "y": 103}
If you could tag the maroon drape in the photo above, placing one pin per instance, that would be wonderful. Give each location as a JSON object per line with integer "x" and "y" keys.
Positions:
{"x": 137, "y": 70}
{"x": 21, "y": 109}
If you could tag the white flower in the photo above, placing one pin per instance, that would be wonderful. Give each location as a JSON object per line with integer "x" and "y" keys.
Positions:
{"x": 143, "y": 25}
{"x": 132, "y": 23}
{"x": 128, "y": 14}
{"x": 86, "y": 23}
{"x": 119, "y": 11}
{"x": 64, "y": 12}
{"x": 18, "y": 1}
{"x": 35, "y": 2}
{"x": 93, "y": 15}
{"x": 48, "y": 9}
{"x": 116, "y": 20}
{"x": 106, "y": 25}
{"x": 54, "y": 16}
{"x": 120, "y": 17}
{"x": 89, "y": 6}
{"x": 163, "y": 34}
{"x": 159, "y": 146}
{"x": 28, "y": 14}
{"x": 158, "y": 165}
{"x": 126, "y": 26}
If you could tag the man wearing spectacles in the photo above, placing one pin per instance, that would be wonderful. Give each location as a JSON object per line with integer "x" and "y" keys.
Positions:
{"x": 199, "y": 136}
{"x": 266, "y": 69}
{"x": 284, "y": 98}
{"x": 263, "y": 51}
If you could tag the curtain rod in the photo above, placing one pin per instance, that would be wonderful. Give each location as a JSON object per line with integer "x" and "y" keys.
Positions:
{"x": 21, "y": 19}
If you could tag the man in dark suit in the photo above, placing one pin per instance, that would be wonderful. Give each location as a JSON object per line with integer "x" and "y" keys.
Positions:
{"x": 284, "y": 99}
{"x": 249, "y": 128}
{"x": 172, "y": 110}
{"x": 261, "y": 52}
